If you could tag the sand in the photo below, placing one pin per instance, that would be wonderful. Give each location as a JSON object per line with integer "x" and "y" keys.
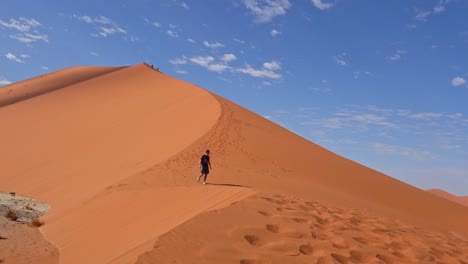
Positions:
{"x": 116, "y": 157}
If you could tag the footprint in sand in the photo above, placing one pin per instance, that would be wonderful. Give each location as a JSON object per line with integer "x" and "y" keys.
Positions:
{"x": 299, "y": 220}
{"x": 254, "y": 240}
{"x": 264, "y": 213}
{"x": 306, "y": 249}
{"x": 340, "y": 258}
{"x": 272, "y": 228}
{"x": 361, "y": 256}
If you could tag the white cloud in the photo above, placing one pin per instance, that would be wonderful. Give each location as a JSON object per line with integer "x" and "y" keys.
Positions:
{"x": 272, "y": 66}
{"x": 29, "y": 38}
{"x": 94, "y": 53}
{"x": 107, "y": 31}
{"x": 23, "y": 24}
{"x": 396, "y": 55}
{"x": 4, "y": 81}
{"x": 182, "y": 72}
{"x": 341, "y": 59}
{"x": 178, "y": 61}
{"x": 44, "y": 67}
{"x": 403, "y": 151}
{"x": 153, "y": 23}
{"x": 228, "y": 57}
{"x": 212, "y": 45}
{"x": 239, "y": 41}
{"x": 457, "y": 81}
{"x": 105, "y": 26}
{"x": 268, "y": 70}
{"x": 191, "y": 40}
{"x": 208, "y": 63}
{"x": 172, "y": 33}
{"x": 266, "y": 10}
{"x": 184, "y": 5}
{"x": 12, "y": 57}
{"x": 275, "y": 33}
{"x": 218, "y": 67}
{"x": 425, "y": 116}
{"x": 202, "y": 61}
{"x": 423, "y": 15}
{"x": 321, "y": 5}
{"x": 25, "y": 27}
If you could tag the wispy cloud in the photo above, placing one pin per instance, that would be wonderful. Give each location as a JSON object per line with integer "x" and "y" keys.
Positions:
{"x": 275, "y": 33}
{"x": 239, "y": 41}
{"x": 182, "y": 72}
{"x": 172, "y": 33}
{"x": 181, "y": 4}
{"x": 4, "y": 81}
{"x": 228, "y": 57}
{"x": 423, "y": 15}
{"x": 23, "y": 24}
{"x": 27, "y": 30}
{"x": 94, "y": 53}
{"x": 191, "y": 40}
{"x": 341, "y": 59}
{"x": 397, "y": 55}
{"x": 13, "y": 57}
{"x": 458, "y": 81}
{"x": 178, "y": 61}
{"x": 153, "y": 23}
{"x": 209, "y": 63}
{"x": 267, "y": 71}
{"x": 266, "y": 10}
{"x": 412, "y": 153}
{"x": 322, "y": 5}
{"x": 213, "y": 45}
{"x": 104, "y": 26}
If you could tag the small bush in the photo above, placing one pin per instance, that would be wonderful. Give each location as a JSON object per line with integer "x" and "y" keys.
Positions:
{"x": 36, "y": 223}
{"x": 11, "y": 215}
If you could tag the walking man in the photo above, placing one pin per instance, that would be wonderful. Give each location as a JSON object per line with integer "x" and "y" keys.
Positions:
{"x": 205, "y": 166}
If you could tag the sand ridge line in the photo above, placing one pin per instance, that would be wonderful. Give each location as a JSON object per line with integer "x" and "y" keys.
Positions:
{"x": 36, "y": 86}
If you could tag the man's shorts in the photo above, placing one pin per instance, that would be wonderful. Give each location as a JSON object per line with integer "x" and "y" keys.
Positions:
{"x": 205, "y": 170}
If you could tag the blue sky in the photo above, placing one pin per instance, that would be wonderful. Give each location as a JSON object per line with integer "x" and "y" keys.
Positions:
{"x": 384, "y": 83}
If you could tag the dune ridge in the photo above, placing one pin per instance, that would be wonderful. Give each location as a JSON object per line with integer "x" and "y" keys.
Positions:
{"x": 42, "y": 84}
{"x": 463, "y": 200}
{"x": 116, "y": 157}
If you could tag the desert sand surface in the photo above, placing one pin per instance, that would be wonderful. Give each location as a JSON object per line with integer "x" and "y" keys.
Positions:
{"x": 463, "y": 200}
{"x": 116, "y": 158}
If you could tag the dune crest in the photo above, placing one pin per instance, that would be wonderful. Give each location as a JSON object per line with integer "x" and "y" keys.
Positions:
{"x": 463, "y": 200}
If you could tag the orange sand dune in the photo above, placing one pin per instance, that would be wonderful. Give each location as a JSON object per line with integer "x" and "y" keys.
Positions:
{"x": 463, "y": 200}
{"x": 116, "y": 157}
{"x": 26, "y": 89}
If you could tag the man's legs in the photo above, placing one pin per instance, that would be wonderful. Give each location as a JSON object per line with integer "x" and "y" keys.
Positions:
{"x": 204, "y": 180}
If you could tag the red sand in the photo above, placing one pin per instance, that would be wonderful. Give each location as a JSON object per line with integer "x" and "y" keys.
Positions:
{"x": 116, "y": 157}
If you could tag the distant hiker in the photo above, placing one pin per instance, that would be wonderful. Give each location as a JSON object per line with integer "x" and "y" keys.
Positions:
{"x": 205, "y": 166}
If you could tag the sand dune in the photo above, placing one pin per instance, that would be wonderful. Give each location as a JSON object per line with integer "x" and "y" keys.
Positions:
{"x": 116, "y": 157}
{"x": 26, "y": 89}
{"x": 463, "y": 200}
